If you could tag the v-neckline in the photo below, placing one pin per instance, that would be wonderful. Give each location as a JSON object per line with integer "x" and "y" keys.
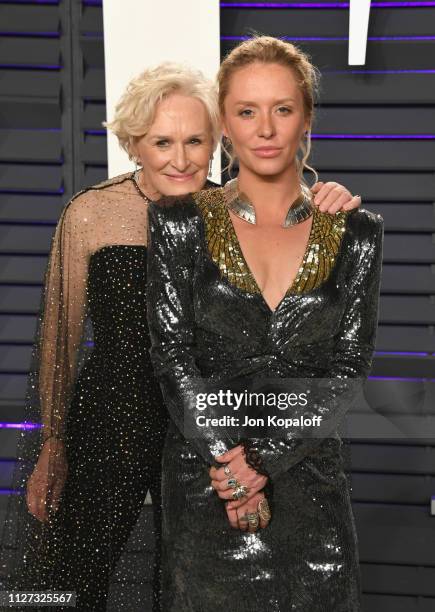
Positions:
{"x": 236, "y": 243}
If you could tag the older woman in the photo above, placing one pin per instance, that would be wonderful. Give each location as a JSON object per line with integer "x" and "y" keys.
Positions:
{"x": 103, "y": 421}
{"x": 265, "y": 287}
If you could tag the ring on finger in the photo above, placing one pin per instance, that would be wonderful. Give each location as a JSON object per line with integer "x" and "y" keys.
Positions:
{"x": 227, "y": 471}
{"x": 264, "y": 510}
{"x": 244, "y": 523}
{"x": 233, "y": 483}
{"x": 239, "y": 492}
{"x": 253, "y": 519}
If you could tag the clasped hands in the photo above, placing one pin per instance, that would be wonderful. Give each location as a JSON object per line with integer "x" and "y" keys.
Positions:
{"x": 239, "y": 510}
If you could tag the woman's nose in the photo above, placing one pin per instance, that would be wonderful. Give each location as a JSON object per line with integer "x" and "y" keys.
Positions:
{"x": 266, "y": 127}
{"x": 180, "y": 160}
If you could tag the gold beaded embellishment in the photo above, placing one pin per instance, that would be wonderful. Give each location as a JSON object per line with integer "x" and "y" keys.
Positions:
{"x": 224, "y": 248}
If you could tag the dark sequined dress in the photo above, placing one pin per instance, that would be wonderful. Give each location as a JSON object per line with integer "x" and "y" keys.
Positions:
{"x": 208, "y": 319}
{"x": 92, "y": 385}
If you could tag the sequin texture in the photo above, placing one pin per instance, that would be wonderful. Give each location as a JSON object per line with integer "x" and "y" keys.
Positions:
{"x": 208, "y": 320}
{"x": 224, "y": 248}
{"x": 91, "y": 384}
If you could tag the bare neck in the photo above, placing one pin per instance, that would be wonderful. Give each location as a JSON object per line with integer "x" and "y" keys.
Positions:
{"x": 146, "y": 186}
{"x": 271, "y": 196}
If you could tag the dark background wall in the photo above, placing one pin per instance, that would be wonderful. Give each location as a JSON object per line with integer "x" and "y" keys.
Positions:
{"x": 375, "y": 133}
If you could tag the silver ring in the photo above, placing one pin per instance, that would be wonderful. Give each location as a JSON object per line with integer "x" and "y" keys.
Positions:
{"x": 227, "y": 471}
{"x": 239, "y": 492}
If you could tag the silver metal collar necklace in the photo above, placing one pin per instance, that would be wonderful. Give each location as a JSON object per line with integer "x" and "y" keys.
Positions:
{"x": 299, "y": 210}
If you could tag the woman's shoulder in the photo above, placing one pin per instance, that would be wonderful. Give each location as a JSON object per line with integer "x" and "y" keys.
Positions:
{"x": 121, "y": 184}
{"x": 364, "y": 234}
{"x": 114, "y": 182}
{"x": 364, "y": 222}
{"x": 85, "y": 201}
{"x": 187, "y": 207}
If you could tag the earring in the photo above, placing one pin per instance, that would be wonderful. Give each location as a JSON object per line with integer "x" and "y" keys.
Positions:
{"x": 210, "y": 166}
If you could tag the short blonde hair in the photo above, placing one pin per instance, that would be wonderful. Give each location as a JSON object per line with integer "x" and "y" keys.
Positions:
{"x": 135, "y": 111}
{"x": 270, "y": 50}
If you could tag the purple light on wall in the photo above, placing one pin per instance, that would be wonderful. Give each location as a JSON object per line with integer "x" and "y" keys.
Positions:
{"x": 31, "y": 66}
{"x": 30, "y": 129}
{"x": 373, "y": 136}
{"x": 405, "y": 353}
{"x": 318, "y": 5}
{"x": 96, "y": 132}
{"x": 426, "y": 71}
{"x": 31, "y": 34}
{"x": 92, "y": 34}
{"x": 32, "y": 192}
{"x": 311, "y": 38}
{"x": 20, "y": 426}
{"x": 400, "y": 38}
{"x": 334, "y": 38}
{"x": 38, "y": 1}
{"x": 284, "y": 5}
{"x": 410, "y": 379}
{"x": 11, "y": 492}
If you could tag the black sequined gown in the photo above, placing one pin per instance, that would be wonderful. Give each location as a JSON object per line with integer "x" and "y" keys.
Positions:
{"x": 116, "y": 428}
{"x": 91, "y": 384}
{"x": 208, "y": 319}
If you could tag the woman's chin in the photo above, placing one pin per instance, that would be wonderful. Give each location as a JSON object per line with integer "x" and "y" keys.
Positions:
{"x": 177, "y": 188}
{"x": 269, "y": 167}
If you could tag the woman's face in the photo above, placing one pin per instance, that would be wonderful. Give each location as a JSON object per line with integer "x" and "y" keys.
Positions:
{"x": 264, "y": 118}
{"x": 176, "y": 151}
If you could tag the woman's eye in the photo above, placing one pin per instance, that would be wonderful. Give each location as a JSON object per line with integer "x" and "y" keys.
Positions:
{"x": 246, "y": 112}
{"x": 162, "y": 143}
{"x": 284, "y": 110}
{"x": 195, "y": 141}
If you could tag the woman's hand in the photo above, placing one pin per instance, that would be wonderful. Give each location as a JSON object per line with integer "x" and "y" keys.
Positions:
{"x": 239, "y": 518}
{"x": 241, "y": 471}
{"x": 332, "y": 197}
{"x": 47, "y": 480}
